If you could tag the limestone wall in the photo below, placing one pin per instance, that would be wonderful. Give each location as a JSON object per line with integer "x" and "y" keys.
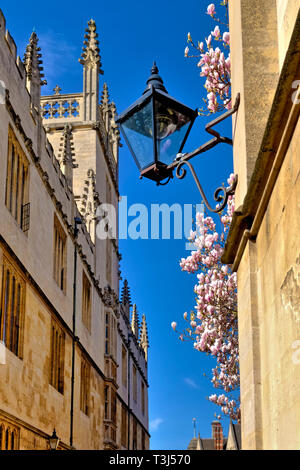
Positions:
{"x": 278, "y": 275}
{"x": 267, "y": 264}
{"x": 287, "y": 11}
{"x": 26, "y": 397}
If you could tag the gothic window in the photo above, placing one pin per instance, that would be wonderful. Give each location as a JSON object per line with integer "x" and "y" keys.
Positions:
{"x": 85, "y": 386}
{"x": 124, "y": 366}
{"x": 109, "y": 249}
{"x": 124, "y": 427}
{"x": 107, "y": 333}
{"x": 143, "y": 440}
{"x": 106, "y": 402}
{"x": 134, "y": 382}
{"x": 113, "y": 415}
{"x": 108, "y": 192}
{"x": 57, "y": 357}
{"x": 110, "y": 410}
{"x": 12, "y": 308}
{"x": 9, "y": 436}
{"x": 110, "y": 335}
{"x": 143, "y": 396}
{"x": 86, "y": 301}
{"x": 60, "y": 255}
{"x": 134, "y": 435}
{"x": 16, "y": 195}
{"x": 109, "y": 246}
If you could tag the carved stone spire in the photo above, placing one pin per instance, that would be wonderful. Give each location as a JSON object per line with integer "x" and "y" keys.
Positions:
{"x": 105, "y": 107}
{"x": 135, "y": 324}
{"x": 144, "y": 340}
{"x": 66, "y": 154}
{"x": 90, "y": 56}
{"x": 91, "y": 61}
{"x": 109, "y": 112}
{"x": 126, "y": 298}
{"x": 114, "y": 132}
{"x": 88, "y": 203}
{"x": 105, "y": 97}
{"x": 33, "y": 66}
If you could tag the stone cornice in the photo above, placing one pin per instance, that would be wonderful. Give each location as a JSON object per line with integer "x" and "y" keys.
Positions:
{"x": 280, "y": 127}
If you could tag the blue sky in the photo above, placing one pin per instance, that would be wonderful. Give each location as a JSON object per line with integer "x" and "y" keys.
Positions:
{"x": 132, "y": 35}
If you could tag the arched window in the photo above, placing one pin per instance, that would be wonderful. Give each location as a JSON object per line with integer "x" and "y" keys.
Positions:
{"x": 11, "y": 307}
{"x": 16, "y": 198}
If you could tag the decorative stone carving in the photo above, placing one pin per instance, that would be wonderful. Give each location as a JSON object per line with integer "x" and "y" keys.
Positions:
{"x": 90, "y": 56}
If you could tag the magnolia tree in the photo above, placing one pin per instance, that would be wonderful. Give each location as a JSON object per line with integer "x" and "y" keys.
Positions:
{"x": 213, "y": 326}
{"x": 213, "y": 56}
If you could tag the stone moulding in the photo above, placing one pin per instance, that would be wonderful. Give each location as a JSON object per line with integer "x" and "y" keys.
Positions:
{"x": 99, "y": 126}
{"x": 280, "y": 127}
{"x": 141, "y": 351}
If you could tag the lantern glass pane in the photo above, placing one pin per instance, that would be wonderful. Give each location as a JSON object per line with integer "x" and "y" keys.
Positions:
{"x": 138, "y": 129}
{"x": 171, "y": 129}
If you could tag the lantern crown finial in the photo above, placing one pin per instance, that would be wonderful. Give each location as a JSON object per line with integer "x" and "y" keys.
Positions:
{"x": 155, "y": 80}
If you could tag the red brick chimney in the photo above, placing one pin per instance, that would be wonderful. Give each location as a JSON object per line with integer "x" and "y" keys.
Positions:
{"x": 217, "y": 434}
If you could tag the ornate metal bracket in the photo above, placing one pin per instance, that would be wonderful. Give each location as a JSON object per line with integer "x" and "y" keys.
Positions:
{"x": 221, "y": 194}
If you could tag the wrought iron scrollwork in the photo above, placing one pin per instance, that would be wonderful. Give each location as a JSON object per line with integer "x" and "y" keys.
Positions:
{"x": 221, "y": 194}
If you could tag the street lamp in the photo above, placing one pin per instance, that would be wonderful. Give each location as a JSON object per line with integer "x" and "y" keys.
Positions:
{"x": 53, "y": 441}
{"x": 156, "y": 128}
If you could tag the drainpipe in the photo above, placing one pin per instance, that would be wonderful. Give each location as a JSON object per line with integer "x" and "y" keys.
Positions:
{"x": 77, "y": 221}
{"x": 128, "y": 385}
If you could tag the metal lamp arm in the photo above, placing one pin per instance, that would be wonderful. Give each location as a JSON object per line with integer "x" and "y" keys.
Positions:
{"x": 221, "y": 194}
{"x": 218, "y": 139}
{"x": 222, "y": 199}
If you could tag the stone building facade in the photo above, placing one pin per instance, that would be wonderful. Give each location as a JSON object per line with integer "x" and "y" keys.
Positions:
{"x": 218, "y": 441}
{"x": 73, "y": 354}
{"x": 263, "y": 245}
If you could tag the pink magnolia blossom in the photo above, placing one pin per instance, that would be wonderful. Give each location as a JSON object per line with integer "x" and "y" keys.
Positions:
{"x": 216, "y": 33}
{"x": 213, "y": 324}
{"x": 211, "y": 9}
{"x": 226, "y": 38}
{"x": 215, "y": 64}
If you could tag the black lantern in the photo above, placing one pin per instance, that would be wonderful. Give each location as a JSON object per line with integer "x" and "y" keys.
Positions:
{"x": 53, "y": 441}
{"x": 155, "y": 128}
